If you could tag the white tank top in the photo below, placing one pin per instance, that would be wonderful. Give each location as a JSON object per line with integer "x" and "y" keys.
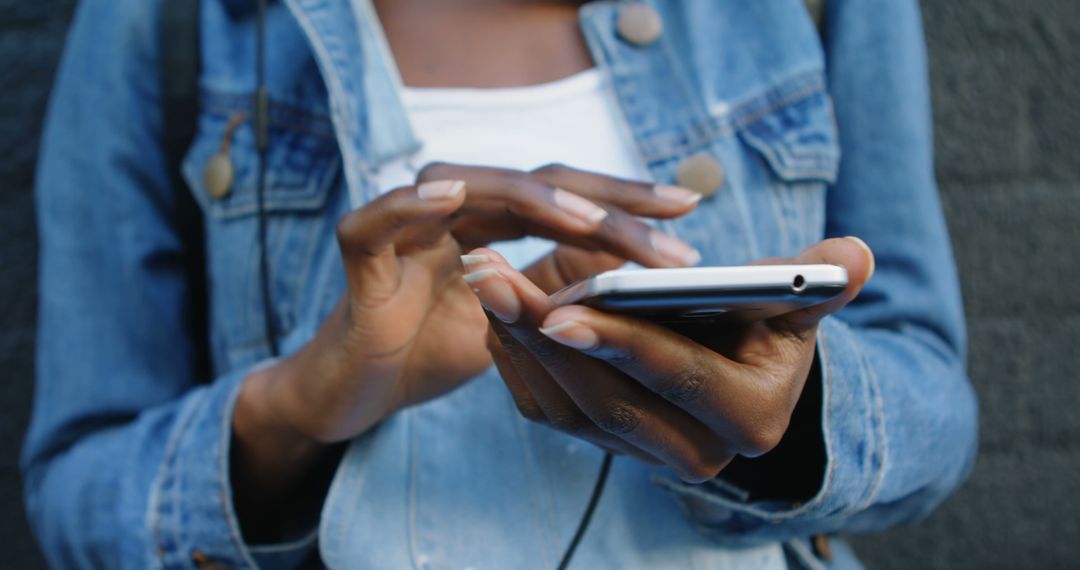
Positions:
{"x": 573, "y": 121}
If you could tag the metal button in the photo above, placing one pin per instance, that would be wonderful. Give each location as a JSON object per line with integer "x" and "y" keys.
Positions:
{"x": 218, "y": 172}
{"x": 218, "y": 175}
{"x": 639, "y": 24}
{"x": 701, "y": 173}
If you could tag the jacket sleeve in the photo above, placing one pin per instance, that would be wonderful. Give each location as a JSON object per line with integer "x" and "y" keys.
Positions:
{"x": 898, "y": 413}
{"x": 126, "y": 462}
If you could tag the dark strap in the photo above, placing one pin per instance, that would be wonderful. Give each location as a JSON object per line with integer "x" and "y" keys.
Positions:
{"x": 816, "y": 8}
{"x": 180, "y": 115}
{"x": 180, "y": 69}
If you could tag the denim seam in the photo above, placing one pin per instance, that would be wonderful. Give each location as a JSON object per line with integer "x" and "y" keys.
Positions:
{"x": 159, "y": 488}
{"x": 225, "y": 486}
{"x": 736, "y": 121}
{"x": 233, "y": 102}
{"x": 879, "y": 425}
{"x": 314, "y": 193}
{"x": 339, "y": 116}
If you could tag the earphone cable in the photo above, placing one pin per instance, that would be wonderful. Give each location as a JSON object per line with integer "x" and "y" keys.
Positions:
{"x": 598, "y": 490}
{"x": 262, "y": 140}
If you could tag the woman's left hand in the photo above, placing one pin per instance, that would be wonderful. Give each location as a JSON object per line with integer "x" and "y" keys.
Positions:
{"x": 634, "y": 387}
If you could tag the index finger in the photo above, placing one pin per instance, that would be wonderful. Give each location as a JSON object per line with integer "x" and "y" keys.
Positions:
{"x": 638, "y": 198}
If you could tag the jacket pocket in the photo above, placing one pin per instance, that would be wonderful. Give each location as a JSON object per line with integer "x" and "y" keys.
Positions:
{"x": 301, "y": 179}
{"x": 792, "y": 144}
{"x": 797, "y": 137}
{"x": 301, "y": 163}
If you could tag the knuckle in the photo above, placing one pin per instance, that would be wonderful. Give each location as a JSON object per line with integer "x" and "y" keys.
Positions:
{"x": 347, "y": 227}
{"x": 568, "y": 421}
{"x": 686, "y": 385}
{"x": 433, "y": 171}
{"x": 763, "y": 438}
{"x": 549, "y": 351}
{"x": 552, "y": 170}
{"x": 619, "y": 357}
{"x": 618, "y": 418}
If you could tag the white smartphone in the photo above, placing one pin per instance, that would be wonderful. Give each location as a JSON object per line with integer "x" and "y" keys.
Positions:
{"x": 745, "y": 293}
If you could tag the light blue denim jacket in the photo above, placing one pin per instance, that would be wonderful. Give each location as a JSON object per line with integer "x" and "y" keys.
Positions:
{"x": 126, "y": 462}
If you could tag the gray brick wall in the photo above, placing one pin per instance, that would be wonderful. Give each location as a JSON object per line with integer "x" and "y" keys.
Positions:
{"x": 1006, "y": 79}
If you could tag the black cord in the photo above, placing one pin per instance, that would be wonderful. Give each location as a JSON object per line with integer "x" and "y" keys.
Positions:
{"x": 262, "y": 140}
{"x": 598, "y": 490}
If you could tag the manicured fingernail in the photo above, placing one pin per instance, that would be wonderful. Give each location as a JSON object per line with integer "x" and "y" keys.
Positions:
{"x": 439, "y": 189}
{"x": 572, "y": 334}
{"x": 468, "y": 260}
{"x": 579, "y": 207}
{"x": 674, "y": 249}
{"x": 495, "y": 294}
{"x": 869, "y": 252}
{"x": 676, "y": 194}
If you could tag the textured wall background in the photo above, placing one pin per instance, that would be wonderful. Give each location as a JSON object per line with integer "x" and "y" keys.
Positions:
{"x": 1007, "y": 97}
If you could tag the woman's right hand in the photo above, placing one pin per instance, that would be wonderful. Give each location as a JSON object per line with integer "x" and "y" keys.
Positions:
{"x": 408, "y": 328}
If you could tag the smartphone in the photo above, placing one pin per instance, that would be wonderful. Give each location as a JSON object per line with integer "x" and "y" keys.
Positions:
{"x": 742, "y": 293}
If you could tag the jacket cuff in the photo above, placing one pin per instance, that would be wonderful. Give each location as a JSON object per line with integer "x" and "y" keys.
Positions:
{"x": 853, "y": 428}
{"x": 191, "y": 515}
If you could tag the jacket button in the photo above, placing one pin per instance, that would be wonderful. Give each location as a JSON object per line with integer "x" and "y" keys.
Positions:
{"x": 639, "y": 24}
{"x": 701, "y": 173}
{"x": 218, "y": 175}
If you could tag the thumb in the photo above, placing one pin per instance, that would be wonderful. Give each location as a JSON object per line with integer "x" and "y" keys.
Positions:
{"x": 854, "y": 256}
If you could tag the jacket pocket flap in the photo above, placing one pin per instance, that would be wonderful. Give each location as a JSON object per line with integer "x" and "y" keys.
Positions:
{"x": 798, "y": 139}
{"x": 302, "y": 161}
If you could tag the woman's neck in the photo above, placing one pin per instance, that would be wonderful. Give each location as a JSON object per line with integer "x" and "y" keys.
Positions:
{"x": 484, "y": 43}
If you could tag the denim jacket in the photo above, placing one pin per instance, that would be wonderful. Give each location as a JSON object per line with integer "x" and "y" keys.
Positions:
{"x": 126, "y": 461}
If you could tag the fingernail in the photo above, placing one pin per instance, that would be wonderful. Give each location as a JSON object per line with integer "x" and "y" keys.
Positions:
{"x": 468, "y": 260}
{"x": 495, "y": 294}
{"x": 674, "y": 249}
{"x": 572, "y": 334}
{"x": 869, "y": 252}
{"x": 579, "y": 207}
{"x": 439, "y": 189}
{"x": 676, "y": 194}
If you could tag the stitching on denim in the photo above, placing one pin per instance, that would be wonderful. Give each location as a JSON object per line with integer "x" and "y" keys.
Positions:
{"x": 780, "y": 164}
{"x": 741, "y": 117}
{"x": 879, "y": 428}
{"x": 159, "y": 492}
{"x": 225, "y": 489}
{"x": 283, "y": 119}
{"x": 340, "y": 115}
{"x": 314, "y": 195}
{"x": 235, "y": 101}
